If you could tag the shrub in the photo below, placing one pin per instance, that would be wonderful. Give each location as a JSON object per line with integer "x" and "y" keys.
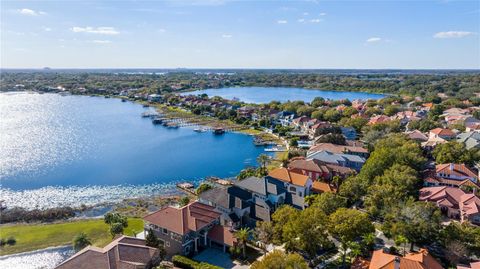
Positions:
{"x": 11, "y": 241}
{"x": 186, "y": 263}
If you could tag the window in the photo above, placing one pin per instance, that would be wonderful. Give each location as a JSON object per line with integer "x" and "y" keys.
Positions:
{"x": 293, "y": 189}
{"x": 167, "y": 244}
{"x": 161, "y": 242}
{"x": 164, "y": 231}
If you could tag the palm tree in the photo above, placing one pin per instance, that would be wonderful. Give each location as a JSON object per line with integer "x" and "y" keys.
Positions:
{"x": 369, "y": 240}
{"x": 263, "y": 160}
{"x": 80, "y": 241}
{"x": 242, "y": 236}
{"x": 355, "y": 250}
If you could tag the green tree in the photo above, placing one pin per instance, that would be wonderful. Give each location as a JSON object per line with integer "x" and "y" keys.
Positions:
{"x": 401, "y": 240}
{"x": 455, "y": 152}
{"x": 329, "y": 202}
{"x": 419, "y": 222}
{"x": 349, "y": 224}
{"x": 337, "y": 139}
{"x": 151, "y": 239}
{"x": 280, "y": 260}
{"x": 391, "y": 110}
{"x": 116, "y": 228}
{"x": 184, "y": 201}
{"x": 80, "y": 241}
{"x": 242, "y": 236}
{"x": 398, "y": 183}
{"x": 264, "y": 233}
{"x": 280, "y": 218}
{"x": 307, "y": 232}
{"x": 111, "y": 218}
{"x": 332, "y": 115}
{"x": 203, "y": 187}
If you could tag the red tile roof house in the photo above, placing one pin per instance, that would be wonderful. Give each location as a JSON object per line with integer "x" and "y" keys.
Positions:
{"x": 381, "y": 260}
{"x": 294, "y": 186}
{"x": 187, "y": 229}
{"x": 454, "y": 202}
{"x": 454, "y": 175}
{"x": 317, "y": 170}
{"x": 378, "y": 119}
{"x": 124, "y": 252}
{"x": 446, "y": 134}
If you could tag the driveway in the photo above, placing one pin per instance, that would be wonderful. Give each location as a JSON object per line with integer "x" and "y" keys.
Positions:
{"x": 218, "y": 258}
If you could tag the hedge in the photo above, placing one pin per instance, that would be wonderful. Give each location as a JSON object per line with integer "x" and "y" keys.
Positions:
{"x": 186, "y": 263}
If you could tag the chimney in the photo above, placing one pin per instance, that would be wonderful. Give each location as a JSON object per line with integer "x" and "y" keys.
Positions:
{"x": 397, "y": 262}
{"x": 451, "y": 166}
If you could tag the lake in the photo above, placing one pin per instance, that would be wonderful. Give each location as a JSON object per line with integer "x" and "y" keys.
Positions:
{"x": 259, "y": 95}
{"x": 72, "y": 150}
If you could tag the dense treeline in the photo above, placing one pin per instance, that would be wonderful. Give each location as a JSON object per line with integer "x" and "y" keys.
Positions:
{"x": 17, "y": 214}
{"x": 459, "y": 84}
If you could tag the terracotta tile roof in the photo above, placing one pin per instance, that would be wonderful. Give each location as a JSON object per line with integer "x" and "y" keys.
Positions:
{"x": 442, "y": 132}
{"x": 285, "y": 175}
{"x": 378, "y": 119}
{"x": 455, "y": 169}
{"x": 470, "y": 204}
{"x": 320, "y": 187}
{"x": 419, "y": 260}
{"x": 191, "y": 217}
{"x": 124, "y": 252}
{"x": 473, "y": 265}
{"x": 309, "y": 165}
{"x": 222, "y": 235}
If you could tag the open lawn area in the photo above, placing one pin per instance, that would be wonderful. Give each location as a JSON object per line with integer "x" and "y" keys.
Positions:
{"x": 37, "y": 236}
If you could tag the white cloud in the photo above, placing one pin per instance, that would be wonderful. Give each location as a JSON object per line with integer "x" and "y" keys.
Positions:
{"x": 161, "y": 30}
{"x": 315, "y": 20}
{"x": 96, "y": 30}
{"x": 323, "y": 14}
{"x": 282, "y": 22}
{"x": 301, "y": 20}
{"x": 452, "y": 34}
{"x": 102, "y": 41}
{"x": 47, "y": 29}
{"x": 305, "y": 13}
{"x": 227, "y": 36}
{"x": 30, "y": 12}
{"x": 374, "y": 39}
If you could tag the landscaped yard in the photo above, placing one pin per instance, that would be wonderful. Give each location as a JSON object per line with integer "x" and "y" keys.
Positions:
{"x": 37, "y": 236}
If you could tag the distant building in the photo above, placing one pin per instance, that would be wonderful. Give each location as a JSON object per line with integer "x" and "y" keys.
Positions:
{"x": 381, "y": 260}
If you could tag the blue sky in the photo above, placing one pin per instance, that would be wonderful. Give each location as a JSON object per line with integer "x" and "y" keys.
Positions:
{"x": 240, "y": 34}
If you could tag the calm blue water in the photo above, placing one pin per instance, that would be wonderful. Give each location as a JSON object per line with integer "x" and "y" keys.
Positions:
{"x": 66, "y": 146}
{"x": 259, "y": 95}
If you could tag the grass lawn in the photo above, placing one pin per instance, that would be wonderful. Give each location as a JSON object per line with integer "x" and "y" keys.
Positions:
{"x": 37, "y": 236}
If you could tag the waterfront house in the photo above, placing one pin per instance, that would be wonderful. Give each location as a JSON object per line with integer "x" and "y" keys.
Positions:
{"x": 154, "y": 97}
{"x": 123, "y": 252}
{"x": 262, "y": 203}
{"x": 453, "y": 202}
{"x": 231, "y": 201}
{"x": 291, "y": 186}
{"x": 183, "y": 230}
